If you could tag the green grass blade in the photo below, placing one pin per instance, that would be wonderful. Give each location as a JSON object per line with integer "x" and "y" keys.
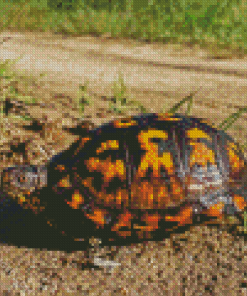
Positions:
{"x": 231, "y": 119}
{"x": 183, "y": 101}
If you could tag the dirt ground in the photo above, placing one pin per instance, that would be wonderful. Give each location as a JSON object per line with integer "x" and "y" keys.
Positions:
{"x": 205, "y": 260}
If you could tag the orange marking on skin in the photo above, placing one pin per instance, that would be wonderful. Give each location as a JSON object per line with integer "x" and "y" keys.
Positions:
{"x": 49, "y": 223}
{"x": 124, "y": 221}
{"x": 215, "y": 210}
{"x": 108, "y": 145}
{"x": 124, "y": 233}
{"x": 65, "y": 182}
{"x": 184, "y": 217}
{"x": 98, "y": 216}
{"x": 81, "y": 144}
{"x": 167, "y": 117}
{"x": 60, "y": 168}
{"x": 239, "y": 202}
{"x": 143, "y": 228}
{"x": 22, "y": 199}
{"x": 152, "y": 221}
{"x": 123, "y": 123}
{"x": 32, "y": 203}
{"x": 77, "y": 200}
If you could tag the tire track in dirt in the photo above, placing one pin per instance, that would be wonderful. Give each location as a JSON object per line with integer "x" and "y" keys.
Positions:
{"x": 144, "y": 67}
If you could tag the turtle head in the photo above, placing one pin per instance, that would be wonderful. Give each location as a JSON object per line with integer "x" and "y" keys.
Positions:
{"x": 23, "y": 178}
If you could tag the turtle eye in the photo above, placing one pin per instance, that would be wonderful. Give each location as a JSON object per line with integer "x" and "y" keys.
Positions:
{"x": 27, "y": 180}
{"x": 21, "y": 179}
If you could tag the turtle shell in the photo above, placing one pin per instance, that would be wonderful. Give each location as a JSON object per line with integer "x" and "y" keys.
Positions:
{"x": 133, "y": 177}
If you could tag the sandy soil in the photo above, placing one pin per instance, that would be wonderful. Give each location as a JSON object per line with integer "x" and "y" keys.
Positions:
{"x": 203, "y": 261}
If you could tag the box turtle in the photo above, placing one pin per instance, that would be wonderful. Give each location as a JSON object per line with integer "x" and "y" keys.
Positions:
{"x": 133, "y": 178}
